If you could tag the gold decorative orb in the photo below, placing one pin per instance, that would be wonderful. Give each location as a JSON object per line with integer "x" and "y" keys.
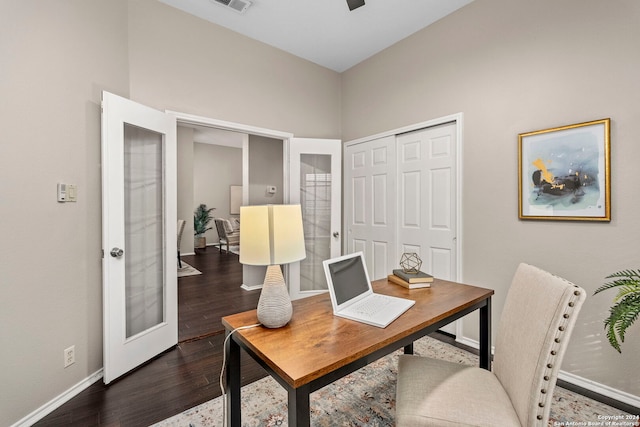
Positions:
{"x": 410, "y": 262}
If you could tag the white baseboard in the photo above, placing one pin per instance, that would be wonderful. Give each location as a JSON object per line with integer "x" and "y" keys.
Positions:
{"x": 604, "y": 390}
{"x": 251, "y": 288}
{"x": 471, "y": 343}
{"x": 58, "y": 401}
{"x": 601, "y": 389}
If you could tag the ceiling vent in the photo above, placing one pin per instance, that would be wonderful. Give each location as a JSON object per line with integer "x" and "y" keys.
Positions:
{"x": 239, "y": 6}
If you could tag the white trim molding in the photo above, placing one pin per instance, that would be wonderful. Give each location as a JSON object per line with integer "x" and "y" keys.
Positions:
{"x": 58, "y": 401}
{"x": 184, "y": 118}
{"x": 604, "y": 390}
{"x": 593, "y": 386}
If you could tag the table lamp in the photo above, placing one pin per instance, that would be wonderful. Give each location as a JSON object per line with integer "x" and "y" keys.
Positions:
{"x": 272, "y": 235}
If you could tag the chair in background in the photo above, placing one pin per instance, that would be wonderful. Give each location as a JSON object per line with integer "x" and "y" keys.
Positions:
{"x": 181, "y": 223}
{"x": 536, "y": 323}
{"x": 226, "y": 234}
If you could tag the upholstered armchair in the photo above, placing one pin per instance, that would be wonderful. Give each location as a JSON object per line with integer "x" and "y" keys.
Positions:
{"x": 226, "y": 234}
{"x": 531, "y": 339}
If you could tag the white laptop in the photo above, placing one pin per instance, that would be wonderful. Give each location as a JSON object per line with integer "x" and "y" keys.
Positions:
{"x": 352, "y": 296}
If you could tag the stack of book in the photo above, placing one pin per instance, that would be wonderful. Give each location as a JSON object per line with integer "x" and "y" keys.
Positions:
{"x": 411, "y": 280}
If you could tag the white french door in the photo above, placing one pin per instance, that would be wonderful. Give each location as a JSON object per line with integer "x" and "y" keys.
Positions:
{"x": 138, "y": 234}
{"x": 315, "y": 170}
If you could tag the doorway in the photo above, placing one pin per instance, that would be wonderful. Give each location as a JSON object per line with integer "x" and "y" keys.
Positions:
{"x": 211, "y": 163}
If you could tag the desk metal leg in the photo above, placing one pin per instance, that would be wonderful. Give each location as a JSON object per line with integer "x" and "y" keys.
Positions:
{"x": 299, "y": 414}
{"x": 408, "y": 349}
{"x": 232, "y": 377}
{"x": 485, "y": 335}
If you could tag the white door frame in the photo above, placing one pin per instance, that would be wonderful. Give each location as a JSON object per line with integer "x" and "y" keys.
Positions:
{"x": 190, "y": 119}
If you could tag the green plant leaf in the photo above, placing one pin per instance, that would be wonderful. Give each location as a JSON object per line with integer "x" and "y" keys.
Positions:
{"x": 630, "y": 310}
{"x": 627, "y": 290}
{"x": 626, "y": 308}
{"x": 201, "y": 219}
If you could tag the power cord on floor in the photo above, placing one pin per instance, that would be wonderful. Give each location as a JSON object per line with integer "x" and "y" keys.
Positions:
{"x": 224, "y": 366}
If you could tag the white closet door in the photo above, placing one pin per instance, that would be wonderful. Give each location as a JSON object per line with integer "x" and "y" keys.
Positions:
{"x": 370, "y": 183}
{"x": 427, "y": 198}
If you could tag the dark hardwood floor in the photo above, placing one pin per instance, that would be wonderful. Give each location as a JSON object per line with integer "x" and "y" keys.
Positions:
{"x": 184, "y": 376}
{"x": 204, "y": 299}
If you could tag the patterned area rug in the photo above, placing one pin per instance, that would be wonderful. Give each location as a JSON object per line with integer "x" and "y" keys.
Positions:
{"x": 366, "y": 398}
{"x": 187, "y": 270}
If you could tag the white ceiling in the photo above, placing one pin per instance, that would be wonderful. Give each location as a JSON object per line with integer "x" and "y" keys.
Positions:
{"x": 325, "y": 31}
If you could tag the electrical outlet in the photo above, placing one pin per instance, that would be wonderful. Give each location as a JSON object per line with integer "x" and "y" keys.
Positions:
{"x": 69, "y": 356}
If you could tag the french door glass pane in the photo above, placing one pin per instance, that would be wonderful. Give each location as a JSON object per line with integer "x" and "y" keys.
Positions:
{"x": 315, "y": 198}
{"x": 143, "y": 202}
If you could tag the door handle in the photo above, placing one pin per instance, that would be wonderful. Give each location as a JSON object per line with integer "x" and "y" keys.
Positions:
{"x": 336, "y": 234}
{"x": 116, "y": 252}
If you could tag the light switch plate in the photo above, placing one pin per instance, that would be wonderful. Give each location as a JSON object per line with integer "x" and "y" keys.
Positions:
{"x": 72, "y": 193}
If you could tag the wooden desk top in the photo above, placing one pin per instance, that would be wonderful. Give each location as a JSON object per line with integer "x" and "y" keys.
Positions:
{"x": 316, "y": 342}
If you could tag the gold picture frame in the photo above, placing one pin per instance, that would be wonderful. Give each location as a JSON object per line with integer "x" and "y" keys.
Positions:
{"x": 564, "y": 173}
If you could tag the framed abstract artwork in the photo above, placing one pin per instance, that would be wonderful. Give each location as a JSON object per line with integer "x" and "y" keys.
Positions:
{"x": 564, "y": 173}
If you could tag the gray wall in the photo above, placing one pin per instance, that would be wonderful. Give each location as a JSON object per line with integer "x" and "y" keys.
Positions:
{"x": 513, "y": 67}
{"x": 56, "y": 58}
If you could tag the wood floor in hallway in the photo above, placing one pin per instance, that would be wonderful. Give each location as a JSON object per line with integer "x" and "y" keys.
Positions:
{"x": 183, "y": 376}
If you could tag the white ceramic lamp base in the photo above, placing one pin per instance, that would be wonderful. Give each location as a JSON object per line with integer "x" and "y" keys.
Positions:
{"x": 274, "y": 306}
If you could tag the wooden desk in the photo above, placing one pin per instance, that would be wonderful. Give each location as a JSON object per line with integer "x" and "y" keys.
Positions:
{"x": 316, "y": 347}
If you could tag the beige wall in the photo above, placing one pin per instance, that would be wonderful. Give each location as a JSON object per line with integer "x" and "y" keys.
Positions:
{"x": 215, "y": 168}
{"x": 185, "y": 186}
{"x": 55, "y": 60}
{"x": 186, "y": 64}
{"x": 513, "y": 67}
{"x": 265, "y": 168}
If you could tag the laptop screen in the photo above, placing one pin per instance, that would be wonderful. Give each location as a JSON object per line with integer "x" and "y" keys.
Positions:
{"x": 349, "y": 278}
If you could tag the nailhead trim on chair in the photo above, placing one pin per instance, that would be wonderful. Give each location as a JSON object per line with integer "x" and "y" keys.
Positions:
{"x": 544, "y": 396}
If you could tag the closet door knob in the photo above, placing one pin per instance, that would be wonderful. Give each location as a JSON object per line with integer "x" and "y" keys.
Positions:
{"x": 116, "y": 252}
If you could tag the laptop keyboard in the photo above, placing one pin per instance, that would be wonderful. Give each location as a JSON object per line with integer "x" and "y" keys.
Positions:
{"x": 371, "y": 305}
